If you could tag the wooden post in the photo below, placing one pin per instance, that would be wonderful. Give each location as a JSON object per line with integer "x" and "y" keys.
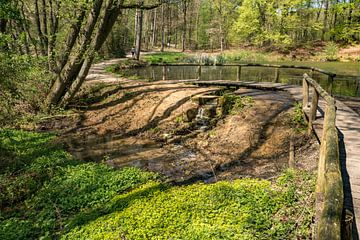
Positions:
{"x": 329, "y": 186}
{"x": 238, "y": 77}
{"x": 277, "y": 75}
{"x": 313, "y": 109}
{"x": 199, "y": 72}
{"x": 305, "y": 94}
{"x": 331, "y": 84}
{"x": 292, "y": 154}
{"x": 164, "y": 73}
{"x": 357, "y": 88}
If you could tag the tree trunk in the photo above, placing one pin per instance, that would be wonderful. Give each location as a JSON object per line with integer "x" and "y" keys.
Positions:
{"x": 184, "y": 26}
{"x": 153, "y": 39}
{"x": 72, "y": 67}
{"x": 162, "y": 28}
{"x": 326, "y": 13}
{"x": 54, "y": 24}
{"x": 109, "y": 19}
{"x": 44, "y": 24}
{"x": 139, "y": 26}
{"x": 70, "y": 41}
{"x": 38, "y": 27}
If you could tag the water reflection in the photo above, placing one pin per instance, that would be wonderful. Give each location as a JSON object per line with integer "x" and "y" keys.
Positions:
{"x": 346, "y": 85}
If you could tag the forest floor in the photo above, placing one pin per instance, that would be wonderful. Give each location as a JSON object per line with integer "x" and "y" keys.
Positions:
{"x": 136, "y": 123}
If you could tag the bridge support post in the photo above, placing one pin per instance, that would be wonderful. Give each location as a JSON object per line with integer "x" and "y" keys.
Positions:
{"x": 277, "y": 75}
{"x": 164, "y": 73}
{"x": 305, "y": 93}
{"x": 238, "y": 76}
{"x": 199, "y": 73}
{"x": 313, "y": 109}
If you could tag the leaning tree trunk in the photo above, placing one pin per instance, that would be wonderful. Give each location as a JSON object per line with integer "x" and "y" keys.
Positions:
{"x": 108, "y": 21}
{"x": 73, "y": 66}
{"x": 105, "y": 27}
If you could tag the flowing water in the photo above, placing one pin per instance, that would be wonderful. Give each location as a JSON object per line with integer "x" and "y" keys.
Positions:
{"x": 346, "y": 83}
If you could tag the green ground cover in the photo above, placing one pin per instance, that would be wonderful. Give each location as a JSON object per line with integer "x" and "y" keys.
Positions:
{"x": 47, "y": 194}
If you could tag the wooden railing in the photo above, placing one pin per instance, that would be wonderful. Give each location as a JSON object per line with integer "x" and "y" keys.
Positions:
{"x": 329, "y": 187}
{"x": 239, "y": 67}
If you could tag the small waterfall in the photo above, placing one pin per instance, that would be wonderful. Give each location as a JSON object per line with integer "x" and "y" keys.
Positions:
{"x": 205, "y": 113}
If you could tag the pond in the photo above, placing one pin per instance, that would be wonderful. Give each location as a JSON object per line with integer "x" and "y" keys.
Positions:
{"x": 346, "y": 83}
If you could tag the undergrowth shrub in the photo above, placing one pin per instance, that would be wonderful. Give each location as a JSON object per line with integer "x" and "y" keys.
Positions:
{"x": 23, "y": 86}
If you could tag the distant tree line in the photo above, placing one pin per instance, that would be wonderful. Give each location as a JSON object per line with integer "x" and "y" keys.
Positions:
{"x": 210, "y": 24}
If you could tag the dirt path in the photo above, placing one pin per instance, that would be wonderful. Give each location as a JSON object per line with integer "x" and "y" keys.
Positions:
{"x": 126, "y": 122}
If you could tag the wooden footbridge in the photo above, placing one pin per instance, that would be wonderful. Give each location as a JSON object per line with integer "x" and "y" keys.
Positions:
{"x": 338, "y": 130}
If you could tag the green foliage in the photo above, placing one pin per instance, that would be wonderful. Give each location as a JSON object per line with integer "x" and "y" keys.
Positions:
{"x": 246, "y": 56}
{"x": 73, "y": 200}
{"x": 331, "y": 51}
{"x": 234, "y": 104}
{"x": 220, "y": 59}
{"x": 298, "y": 120}
{"x": 164, "y": 57}
{"x": 23, "y": 86}
{"x": 48, "y": 191}
{"x": 179, "y": 119}
{"x": 243, "y": 209}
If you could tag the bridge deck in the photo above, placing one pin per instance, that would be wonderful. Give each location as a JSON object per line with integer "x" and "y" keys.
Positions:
{"x": 348, "y": 124}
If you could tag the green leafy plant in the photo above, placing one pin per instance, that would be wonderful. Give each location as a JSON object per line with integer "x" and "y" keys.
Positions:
{"x": 298, "y": 120}
{"x": 331, "y": 52}
{"x": 220, "y": 59}
{"x": 179, "y": 119}
{"x": 233, "y": 104}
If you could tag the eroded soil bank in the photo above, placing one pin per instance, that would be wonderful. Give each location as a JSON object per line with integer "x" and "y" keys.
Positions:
{"x": 156, "y": 126}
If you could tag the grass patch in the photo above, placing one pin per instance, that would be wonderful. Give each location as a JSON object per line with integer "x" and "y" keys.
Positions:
{"x": 45, "y": 193}
{"x": 164, "y": 57}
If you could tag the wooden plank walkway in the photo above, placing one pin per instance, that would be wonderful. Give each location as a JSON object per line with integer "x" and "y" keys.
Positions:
{"x": 348, "y": 124}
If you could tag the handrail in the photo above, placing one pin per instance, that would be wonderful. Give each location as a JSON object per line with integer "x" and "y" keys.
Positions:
{"x": 330, "y": 75}
{"x": 329, "y": 187}
{"x": 247, "y": 65}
